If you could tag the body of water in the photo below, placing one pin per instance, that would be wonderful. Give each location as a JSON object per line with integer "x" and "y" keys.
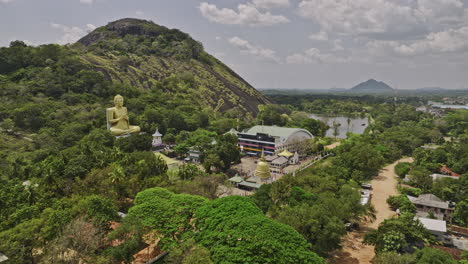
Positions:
{"x": 450, "y": 106}
{"x": 347, "y": 124}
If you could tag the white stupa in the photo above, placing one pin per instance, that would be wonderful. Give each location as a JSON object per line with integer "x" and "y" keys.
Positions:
{"x": 157, "y": 139}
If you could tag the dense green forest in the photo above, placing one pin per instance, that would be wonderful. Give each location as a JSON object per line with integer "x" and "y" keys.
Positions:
{"x": 61, "y": 172}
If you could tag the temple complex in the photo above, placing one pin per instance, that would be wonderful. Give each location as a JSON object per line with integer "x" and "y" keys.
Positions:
{"x": 272, "y": 139}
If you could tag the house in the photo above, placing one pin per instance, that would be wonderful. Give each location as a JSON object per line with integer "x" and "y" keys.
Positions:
{"x": 236, "y": 180}
{"x": 426, "y": 203}
{"x": 279, "y": 163}
{"x": 447, "y": 171}
{"x": 272, "y": 139}
{"x": 193, "y": 155}
{"x": 436, "y": 227}
{"x": 459, "y": 237}
{"x": 437, "y": 176}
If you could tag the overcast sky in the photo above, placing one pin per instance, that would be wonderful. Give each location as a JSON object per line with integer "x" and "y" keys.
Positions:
{"x": 282, "y": 43}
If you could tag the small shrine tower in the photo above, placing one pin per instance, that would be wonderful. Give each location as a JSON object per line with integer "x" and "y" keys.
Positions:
{"x": 157, "y": 141}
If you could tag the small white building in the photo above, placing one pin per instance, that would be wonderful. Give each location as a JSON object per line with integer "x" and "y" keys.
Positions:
{"x": 437, "y": 176}
{"x": 436, "y": 227}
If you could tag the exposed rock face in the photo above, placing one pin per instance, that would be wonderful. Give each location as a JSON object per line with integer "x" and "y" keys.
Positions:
{"x": 122, "y": 28}
{"x": 143, "y": 54}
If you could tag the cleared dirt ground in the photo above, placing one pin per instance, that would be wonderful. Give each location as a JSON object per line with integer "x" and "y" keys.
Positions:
{"x": 354, "y": 251}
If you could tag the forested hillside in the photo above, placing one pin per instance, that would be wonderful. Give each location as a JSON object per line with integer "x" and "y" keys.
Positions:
{"x": 64, "y": 178}
{"x": 130, "y": 53}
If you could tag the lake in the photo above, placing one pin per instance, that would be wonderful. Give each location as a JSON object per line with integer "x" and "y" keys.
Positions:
{"x": 353, "y": 124}
{"x": 450, "y": 106}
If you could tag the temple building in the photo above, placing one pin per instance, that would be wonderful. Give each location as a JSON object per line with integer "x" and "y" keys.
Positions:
{"x": 262, "y": 175}
{"x": 272, "y": 139}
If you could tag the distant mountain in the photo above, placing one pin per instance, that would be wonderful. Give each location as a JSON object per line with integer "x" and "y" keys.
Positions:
{"x": 372, "y": 86}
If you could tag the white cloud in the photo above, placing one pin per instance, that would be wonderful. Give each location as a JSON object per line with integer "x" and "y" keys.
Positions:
{"x": 258, "y": 51}
{"x": 271, "y": 3}
{"x": 321, "y": 36}
{"x": 87, "y": 1}
{"x": 451, "y": 40}
{"x": 337, "y": 45}
{"x": 314, "y": 55}
{"x": 72, "y": 34}
{"x": 382, "y": 16}
{"x": 90, "y": 27}
{"x": 218, "y": 38}
{"x": 6, "y": 1}
{"x": 441, "y": 11}
{"x": 247, "y": 14}
{"x": 139, "y": 13}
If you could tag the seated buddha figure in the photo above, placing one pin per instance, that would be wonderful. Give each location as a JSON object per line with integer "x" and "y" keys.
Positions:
{"x": 117, "y": 119}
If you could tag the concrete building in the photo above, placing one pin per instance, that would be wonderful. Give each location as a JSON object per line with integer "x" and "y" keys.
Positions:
{"x": 426, "y": 203}
{"x": 436, "y": 227}
{"x": 437, "y": 176}
{"x": 272, "y": 139}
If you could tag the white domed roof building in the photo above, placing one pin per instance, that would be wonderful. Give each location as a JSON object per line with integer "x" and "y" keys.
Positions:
{"x": 272, "y": 139}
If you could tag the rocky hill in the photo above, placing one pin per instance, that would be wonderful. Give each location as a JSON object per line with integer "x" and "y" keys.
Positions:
{"x": 145, "y": 55}
{"x": 372, "y": 86}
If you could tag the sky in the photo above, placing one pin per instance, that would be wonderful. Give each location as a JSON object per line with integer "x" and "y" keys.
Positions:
{"x": 304, "y": 44}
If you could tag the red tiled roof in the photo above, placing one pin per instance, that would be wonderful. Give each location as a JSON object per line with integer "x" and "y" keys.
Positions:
{"x": 447, "y": 170}
{"x": 459, "y": 229}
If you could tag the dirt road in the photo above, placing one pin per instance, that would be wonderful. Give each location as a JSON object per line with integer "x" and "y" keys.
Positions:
{"x": 354, "y": 251}
{"x": 333, "y": 145}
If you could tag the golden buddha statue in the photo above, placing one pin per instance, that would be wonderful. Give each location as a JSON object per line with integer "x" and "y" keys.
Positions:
{"x": 117, "y": 119}
{"x": 263, "y": 170}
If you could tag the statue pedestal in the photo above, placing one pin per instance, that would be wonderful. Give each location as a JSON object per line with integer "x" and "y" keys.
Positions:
{"x": 129, "y": 135}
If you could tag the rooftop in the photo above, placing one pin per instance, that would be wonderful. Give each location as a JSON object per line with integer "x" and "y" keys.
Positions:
{"x": 276, "y": 131}
{"x": 286, "y": 153}
{"x": 434, "y": 224}
{"x": 236, "y": 179}
{"x": 429, "y": 200}
{"x": 168, "y": 160}
{"x": 280, "y": 160}
{"x": 270, "y": 158}
{"x": 250, "y": 184}
{"x": 157, "y": 134}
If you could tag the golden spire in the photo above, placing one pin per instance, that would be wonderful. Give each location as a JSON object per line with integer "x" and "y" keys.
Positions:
{"x": 263, "y": 170}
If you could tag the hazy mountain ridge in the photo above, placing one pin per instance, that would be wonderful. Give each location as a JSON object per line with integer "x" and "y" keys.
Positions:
{"x": 371, "y": 86}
